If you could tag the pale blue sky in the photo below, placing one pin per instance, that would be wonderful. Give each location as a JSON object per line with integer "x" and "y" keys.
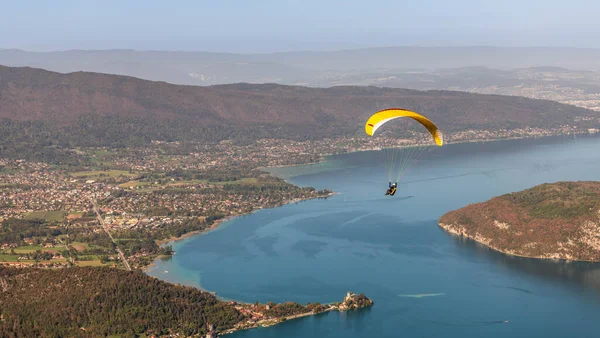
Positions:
{"x": 279, "y": 25}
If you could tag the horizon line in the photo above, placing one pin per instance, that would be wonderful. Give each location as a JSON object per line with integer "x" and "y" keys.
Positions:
{"x": 470, "y": 46}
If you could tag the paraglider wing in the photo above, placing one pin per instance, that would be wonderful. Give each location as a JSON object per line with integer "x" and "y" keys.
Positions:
{"x": 380, "y": 118}
{"x": 398, "y": 160}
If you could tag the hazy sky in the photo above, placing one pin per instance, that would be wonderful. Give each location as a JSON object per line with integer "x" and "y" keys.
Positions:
{"x": 278, "y": 25}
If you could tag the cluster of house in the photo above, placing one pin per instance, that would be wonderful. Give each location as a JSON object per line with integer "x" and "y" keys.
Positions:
{"x": 252, "y": 312}
{"x": 126, "y": 220}
{"x": 471, "y": 135}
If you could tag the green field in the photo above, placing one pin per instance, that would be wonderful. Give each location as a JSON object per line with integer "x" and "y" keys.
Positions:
{"x": 35, "y": 214}
{"x": 91, "y": 263}
{"x": 58, "y": 260}
{"x": 9, "y": 258}
{"x": 15, "y": 258}
{"x": 247, "y": 180}
{"x": 80, "y": 246}
{"x": 100, "y": 174}
{"x": 50, "y": 216}
{"x": 185, "y": 182}
{"x": 34, "y": 248}
{"x": 88, "y": 258}
{"x": 102, "y": 153}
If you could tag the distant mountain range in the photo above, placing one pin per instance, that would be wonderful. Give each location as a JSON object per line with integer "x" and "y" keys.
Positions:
{"x": 306, "y": 68}
{"x": 100, "y": 106}
{"x": 576, "y": 87}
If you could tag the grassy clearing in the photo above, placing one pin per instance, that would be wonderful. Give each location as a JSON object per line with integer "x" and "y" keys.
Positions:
{"x": 35, "y": 214}
{"x": 247, "y": 180}
{"x": 81, "y": 246}
{"x": 15, "y": 258}
{"x": 102, "y": 153}
{"x": 9, "y": 258}
{"x": 50, "y": 216}
{"x": 57, "y": 260}
{"x": 88, "y": 258}
{"x": 184, "y": 182}
{"x": 55, "y": 216}
{"x": 101, "y": 174}
{"x": 91, "y": 263}
{"x": 34, "y": 248}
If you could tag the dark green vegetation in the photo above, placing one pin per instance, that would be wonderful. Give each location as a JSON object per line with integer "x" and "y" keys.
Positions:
{"x": 565, "y": 200}
{"x": 16, "y": 230}
{"x": 285, "y": 309}
{"x": 32, "y": 241}
{"x": 36, "y": 240}
{"x": 92, "y": 302}
{"x": 558, "y": 220}
{"x": 43, "y": 110}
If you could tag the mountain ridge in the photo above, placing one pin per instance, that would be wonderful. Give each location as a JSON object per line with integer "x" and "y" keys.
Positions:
{"x": 94, "y": 107}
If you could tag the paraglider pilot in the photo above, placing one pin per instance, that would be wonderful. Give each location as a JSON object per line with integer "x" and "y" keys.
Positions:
{"x": 392, "y": 189}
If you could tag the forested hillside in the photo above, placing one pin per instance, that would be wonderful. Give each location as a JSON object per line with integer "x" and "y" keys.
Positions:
{"x": 93, "y": 302}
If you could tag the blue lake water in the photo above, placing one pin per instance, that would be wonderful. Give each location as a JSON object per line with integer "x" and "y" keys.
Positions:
{"x": 424, "y": 282}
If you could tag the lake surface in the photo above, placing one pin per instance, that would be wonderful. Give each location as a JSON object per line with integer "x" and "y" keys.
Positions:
{"x": 424, "y": 282}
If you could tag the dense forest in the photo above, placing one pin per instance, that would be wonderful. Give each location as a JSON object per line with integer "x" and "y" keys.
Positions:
{"x": 92, "y": 302}
{"x": 13, "y": 230}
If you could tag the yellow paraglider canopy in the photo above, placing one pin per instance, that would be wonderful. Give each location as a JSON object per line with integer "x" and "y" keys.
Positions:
{"x": 397, "y": 160}
{"x": 383, "y": 116}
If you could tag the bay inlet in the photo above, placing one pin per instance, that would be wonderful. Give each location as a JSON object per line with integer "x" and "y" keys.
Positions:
{"x": 361, "y": 240}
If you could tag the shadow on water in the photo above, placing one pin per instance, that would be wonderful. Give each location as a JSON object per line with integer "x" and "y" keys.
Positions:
{"x": 353, "y": 320}
{"x": 362, "y": 202}
{"x": 389, "y": 198}
{"x": 487, "y": 173}
{"x": 585, "y": 274}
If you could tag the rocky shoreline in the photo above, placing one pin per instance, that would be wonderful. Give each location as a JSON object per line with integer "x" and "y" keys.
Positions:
{"x": 555, "y": 221}
{"x": 458, "y": 230}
